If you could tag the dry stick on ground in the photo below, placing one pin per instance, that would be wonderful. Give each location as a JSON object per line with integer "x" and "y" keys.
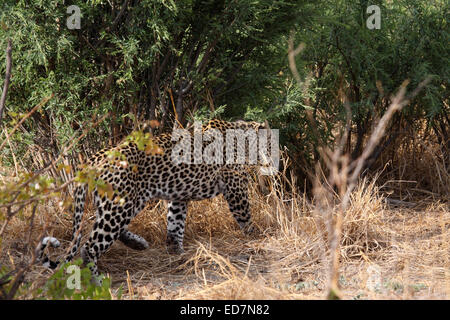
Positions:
{"x": 16, "y": 167}
{"x": 7, "y": 78}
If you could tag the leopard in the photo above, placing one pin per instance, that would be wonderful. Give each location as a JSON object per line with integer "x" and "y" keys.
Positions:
{"x": 141, "y": 177}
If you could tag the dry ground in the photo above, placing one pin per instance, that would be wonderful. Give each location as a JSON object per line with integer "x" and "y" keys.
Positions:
{"x": 387, "y": 252}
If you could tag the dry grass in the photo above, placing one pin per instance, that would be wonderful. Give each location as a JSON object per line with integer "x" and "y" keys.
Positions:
{"x": 386, "y": 253}
{"x": 416, "y": 167}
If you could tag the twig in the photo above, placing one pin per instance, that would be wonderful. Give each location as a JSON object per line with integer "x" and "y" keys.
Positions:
{"x": 7, "y": 78}
{"x": 291, "y": 57}
{"x": 174, "y": 109}
{"x": 40, "y": 104}
{"x": 16, "y": 167}
{"x": 30, "y": 231}
{"x": 119, "y": 15}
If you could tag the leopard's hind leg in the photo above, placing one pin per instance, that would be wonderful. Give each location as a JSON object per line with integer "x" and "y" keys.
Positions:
{"x": 176, "y": 219}
{"x": 131, "y": 239}
{"x": 236, "y": 194}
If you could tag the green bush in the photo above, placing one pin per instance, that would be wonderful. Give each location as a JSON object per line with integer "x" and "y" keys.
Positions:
{"x": 133, "y": 63}
{"x": 61, "y": 285}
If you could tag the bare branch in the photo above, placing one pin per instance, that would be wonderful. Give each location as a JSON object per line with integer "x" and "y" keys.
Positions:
{"x": 119, "y": 15}
{"x": 40, "y": 104}
{"x": 7, "y": 78}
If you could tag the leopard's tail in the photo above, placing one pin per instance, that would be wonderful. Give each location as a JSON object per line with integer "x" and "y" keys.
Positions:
{"x": 42, "y": 257}
{"x": 80, "y": 200}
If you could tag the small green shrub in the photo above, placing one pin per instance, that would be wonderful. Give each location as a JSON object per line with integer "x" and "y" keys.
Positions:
{"x": 63, "y": 284}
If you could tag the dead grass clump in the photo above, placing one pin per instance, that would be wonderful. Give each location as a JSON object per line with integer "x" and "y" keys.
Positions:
{"x": 242, "y": 289}
{"x": 362, "y": 230}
